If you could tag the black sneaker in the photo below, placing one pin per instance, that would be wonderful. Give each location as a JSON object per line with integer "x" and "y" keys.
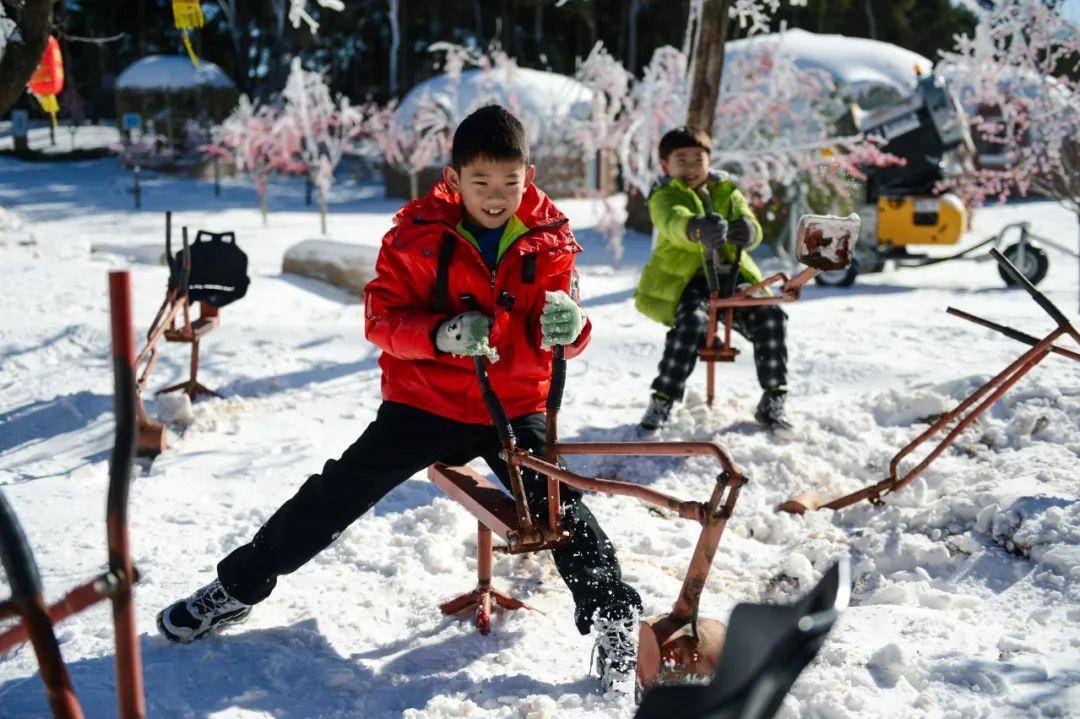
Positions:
{"x": 658, "y": 412}
{"x": 770, "y": 411}
{"x": 208, "y": 609}
{"x": 615, "y": 650}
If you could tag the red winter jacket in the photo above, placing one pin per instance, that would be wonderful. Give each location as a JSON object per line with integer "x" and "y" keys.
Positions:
{"x": 399, "y": 307}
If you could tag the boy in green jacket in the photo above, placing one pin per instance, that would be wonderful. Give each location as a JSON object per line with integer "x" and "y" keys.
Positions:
{"x": 695, "y": 211}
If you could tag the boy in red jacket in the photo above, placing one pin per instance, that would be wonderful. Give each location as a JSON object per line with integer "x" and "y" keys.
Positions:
{"x": 507, "y": 265}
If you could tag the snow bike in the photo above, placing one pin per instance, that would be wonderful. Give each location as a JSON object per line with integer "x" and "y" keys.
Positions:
{"x": 26, "y": 602}
{"x": 212, "y": 272}
{"x": 676, "y": 647}
{"x": 823, "y": 243}
{"x": 967, "y": 411}
{"x": 766, "y": 648}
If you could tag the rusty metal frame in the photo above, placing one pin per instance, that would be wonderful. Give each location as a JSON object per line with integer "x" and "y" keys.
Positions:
{"x": 790, "y": 290}
{"x": 966, "y": 411}
{"x": 116, "y": 584}
{"x": 176, "y": 306}
{"x": 679, "y": 637}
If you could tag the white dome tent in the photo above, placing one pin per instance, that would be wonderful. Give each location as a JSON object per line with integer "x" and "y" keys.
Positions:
{"x": 541, "y": 99}
{"x": 873, "y": 72}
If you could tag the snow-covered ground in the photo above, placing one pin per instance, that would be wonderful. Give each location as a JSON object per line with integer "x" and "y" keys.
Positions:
{"x": 68, "y": 138}
{"x": 967, "y": 593}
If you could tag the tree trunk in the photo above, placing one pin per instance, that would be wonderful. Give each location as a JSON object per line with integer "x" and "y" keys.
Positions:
{"x": 260, "y": 187}
{"x": 632, "y": 37}
{"x": 478, "y": 18}
{"x": 538, "y": 32}
{"x": 20, "y": 59}
{"x": 322, "y": 211}
{"x": 708, "y": 64}
{"x": 395, "y": 44}
{"x": 870, "y": 18}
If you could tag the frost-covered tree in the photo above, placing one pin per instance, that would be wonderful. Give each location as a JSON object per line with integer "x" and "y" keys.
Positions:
{"x": 776, "y": 122}
{"x": 598, "y": 134}
{"x": 252, "y": 140}
{"x": 412, "y": 142}
{"x": 318, "y": 128}
{"x": 1016, "y": 75}
{"x": 298, "y": 12}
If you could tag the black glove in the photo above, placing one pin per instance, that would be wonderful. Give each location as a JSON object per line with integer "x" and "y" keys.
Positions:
{"x": 710, "y": 230}
{"x": 741, "y": 232}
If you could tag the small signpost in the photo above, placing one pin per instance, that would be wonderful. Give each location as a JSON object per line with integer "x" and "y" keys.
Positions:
{"x": 131, "y": 123}
{"x": 20, "y": 128}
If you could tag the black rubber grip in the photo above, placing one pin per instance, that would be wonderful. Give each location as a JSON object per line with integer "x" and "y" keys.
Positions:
{"x": 123, "y": 453}
{"x": 1048, "y": 306}
{"x": 558, "y": 380}
{"x": 495, "y": 408}
{"x": 15, "y": 555}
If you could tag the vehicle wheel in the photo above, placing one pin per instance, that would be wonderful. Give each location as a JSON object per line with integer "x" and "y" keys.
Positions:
{"x": 1032, "y": 262}
{"x": 839, "y": 278}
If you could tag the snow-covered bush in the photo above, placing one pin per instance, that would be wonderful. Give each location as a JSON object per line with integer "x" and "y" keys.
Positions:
{"x": 251, "y": 138}
{"x": 1016, "y": 75}
{"x": 318, "y": 128}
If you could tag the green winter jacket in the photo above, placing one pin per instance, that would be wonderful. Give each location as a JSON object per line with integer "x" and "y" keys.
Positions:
{"x": 676, "y": 258}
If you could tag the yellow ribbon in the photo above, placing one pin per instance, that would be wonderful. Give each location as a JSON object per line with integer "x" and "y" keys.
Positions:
{"x": 190, "y": 50}
{"x": 188, "y": 14}
{"x": 49, "y": 105}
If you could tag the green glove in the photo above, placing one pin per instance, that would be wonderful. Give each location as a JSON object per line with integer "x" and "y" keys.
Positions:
{"x": 467, "y": 335}
{"x": 561, "y": 321}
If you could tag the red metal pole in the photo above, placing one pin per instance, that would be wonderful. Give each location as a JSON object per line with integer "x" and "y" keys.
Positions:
{"x": 131, "y": 699}
{"x": 483, "y": 555}
{"x": 73, "y": 602}
{"x": 58, "y": 689}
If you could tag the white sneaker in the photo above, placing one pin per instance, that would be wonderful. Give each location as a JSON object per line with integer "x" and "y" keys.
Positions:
{"x": 615, "y": 629}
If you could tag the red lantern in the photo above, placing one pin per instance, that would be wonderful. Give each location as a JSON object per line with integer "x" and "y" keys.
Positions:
{"x": 48, "y": 79}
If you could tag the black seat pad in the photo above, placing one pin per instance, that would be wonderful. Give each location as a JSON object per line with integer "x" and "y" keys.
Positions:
{"x": 218, "y": 269}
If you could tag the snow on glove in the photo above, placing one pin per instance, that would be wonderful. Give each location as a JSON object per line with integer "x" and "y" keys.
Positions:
{"x": 741, "y": 232}
{"x": 710, "y": 230}
{"x": 561, "y": 321}
{"x": 466, "y": 334}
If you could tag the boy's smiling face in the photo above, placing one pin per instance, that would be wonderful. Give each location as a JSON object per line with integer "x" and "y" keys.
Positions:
{"x": 491, "y": 190}
{"x": 689, "y": 164}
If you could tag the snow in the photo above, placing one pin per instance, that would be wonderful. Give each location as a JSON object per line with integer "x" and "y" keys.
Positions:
{"x": 171, "y": 72}
{"x": 69, "y": 138}
{"x": 966, "y": 600}
{"x": 855, "y": 63}
{"x": 537, "y": 95}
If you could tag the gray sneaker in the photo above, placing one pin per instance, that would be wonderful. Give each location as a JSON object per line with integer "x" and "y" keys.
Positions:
{"x": 770, "y": 411}
{"x": 207, "y": 610}
{"x": 657, "y": 414}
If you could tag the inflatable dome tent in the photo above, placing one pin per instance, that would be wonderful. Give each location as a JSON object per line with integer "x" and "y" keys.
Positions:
{"x": 541, "y": 99}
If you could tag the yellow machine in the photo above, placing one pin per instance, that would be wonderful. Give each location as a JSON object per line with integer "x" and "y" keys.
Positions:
{"x": 903, "y": 221}
{"x": 902, "y": 209}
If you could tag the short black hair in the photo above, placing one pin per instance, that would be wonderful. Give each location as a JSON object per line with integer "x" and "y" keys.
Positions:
{"x": 685, "y": 136}
{"x": 492, "y": 132}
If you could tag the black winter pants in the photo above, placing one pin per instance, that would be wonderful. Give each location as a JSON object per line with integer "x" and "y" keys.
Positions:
{"x": 400, "y": 442}
{"x": 764, "y": 326}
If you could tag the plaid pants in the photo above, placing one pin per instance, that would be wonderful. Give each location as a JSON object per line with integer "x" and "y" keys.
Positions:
{"x": 765, "y": 327}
